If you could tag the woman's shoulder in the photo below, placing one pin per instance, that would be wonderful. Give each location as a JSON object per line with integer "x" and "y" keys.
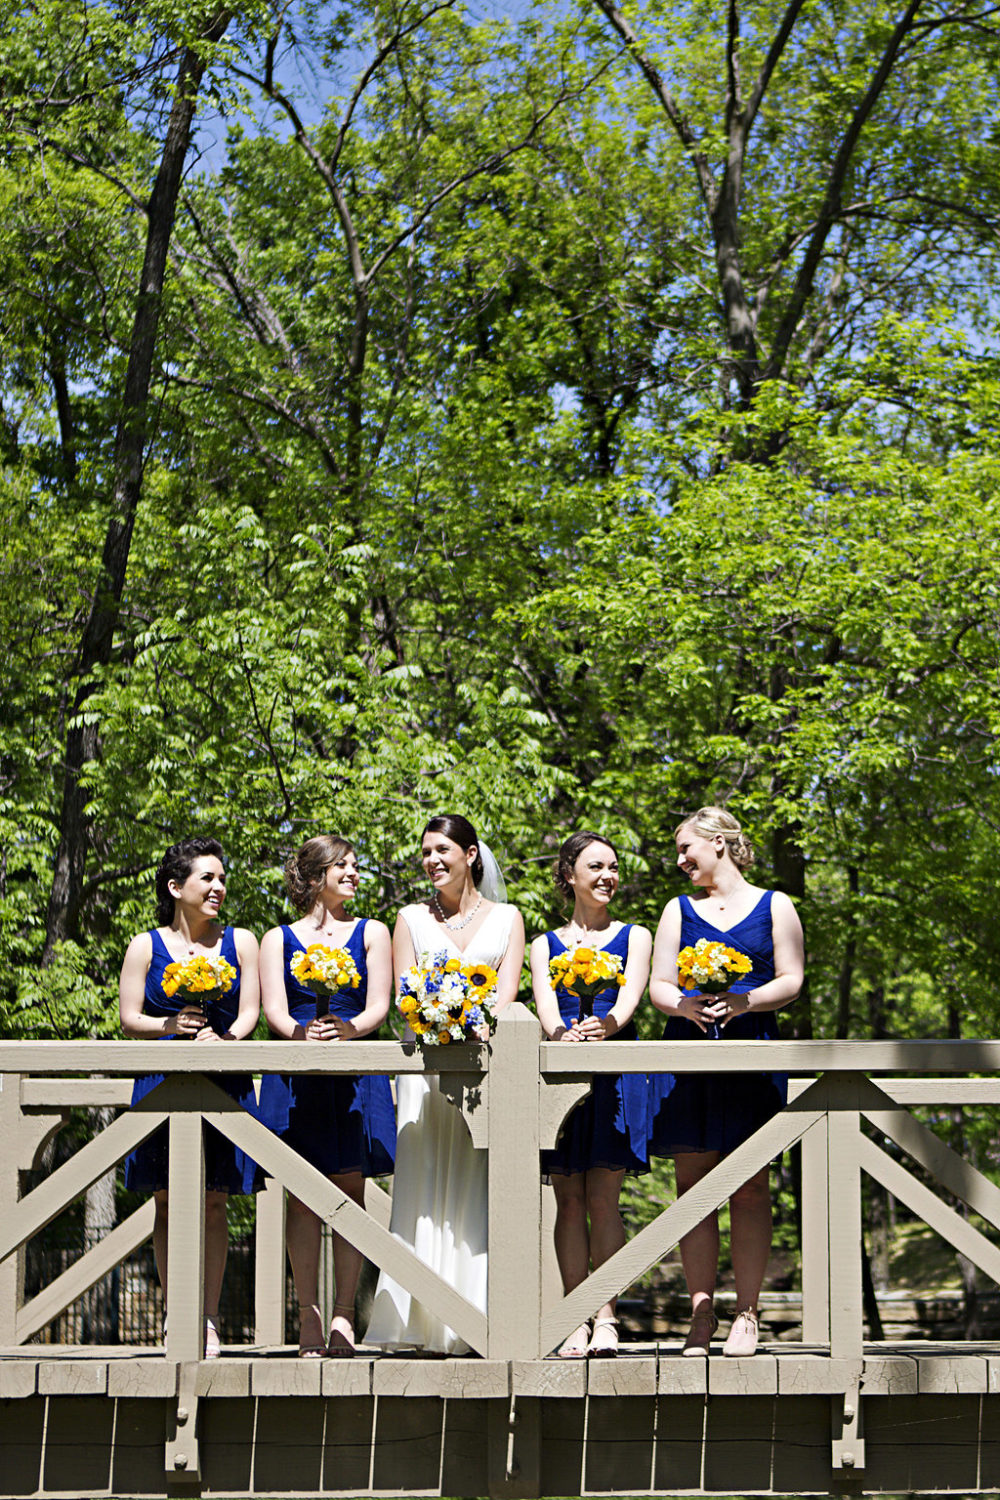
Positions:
{"x": 141, "y": 945}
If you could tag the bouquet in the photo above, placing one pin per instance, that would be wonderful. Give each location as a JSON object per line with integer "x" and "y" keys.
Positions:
{"x": 585, "y": 972}
{"x": 199, "y": 981}
{"x": 711, "y": 966}
{"x": 324, "y": 971}
{"x": 446, "y": 1001}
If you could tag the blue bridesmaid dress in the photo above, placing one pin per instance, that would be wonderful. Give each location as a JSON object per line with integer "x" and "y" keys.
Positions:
{"x": 337, "y": 1123}
{"x": 718, "y": 1111}
{"x": 611, "y": 1127}
{"x": 227, "y": 1168}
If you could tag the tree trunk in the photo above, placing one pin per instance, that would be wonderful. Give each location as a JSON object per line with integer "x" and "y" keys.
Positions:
{"x": 130, "y": 444}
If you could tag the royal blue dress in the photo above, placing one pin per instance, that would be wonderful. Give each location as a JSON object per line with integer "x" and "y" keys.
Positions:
{"x": 718, "y": 1111}
{"x": 610, "y": 1128}
{"x": 339, "y": 1124}
{"x": 227, "y": 1168}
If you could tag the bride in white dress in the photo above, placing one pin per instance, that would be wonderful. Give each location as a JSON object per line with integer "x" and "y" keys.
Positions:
{"x": 440, "y": 1184}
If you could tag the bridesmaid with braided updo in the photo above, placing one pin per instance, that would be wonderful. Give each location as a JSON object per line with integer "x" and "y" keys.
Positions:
{"x": 342, "y": 1125}
{"x": 707, "y": 1115}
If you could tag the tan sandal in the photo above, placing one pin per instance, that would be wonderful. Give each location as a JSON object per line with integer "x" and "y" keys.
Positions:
{"x": 604, "y": 1339}
{"x": 703, "y": 1325}
{"x": 339, "y": 1346}
{"x": 743, "y": 1335}
{"x": 576, "y": 1345}
{"x": 310, "y": 1351}
{"x": 213, "y": 1347}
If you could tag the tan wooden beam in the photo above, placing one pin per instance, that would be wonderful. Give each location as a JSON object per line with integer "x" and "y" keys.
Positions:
{"x": 85, "y": 1273}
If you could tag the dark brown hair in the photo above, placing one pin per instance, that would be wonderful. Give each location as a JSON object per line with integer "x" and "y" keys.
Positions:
{"x": 176, "y": 865}
{"x": 462, "y": 833}
{"x": 305, "y": 870}
{"x": 569, "y": 854}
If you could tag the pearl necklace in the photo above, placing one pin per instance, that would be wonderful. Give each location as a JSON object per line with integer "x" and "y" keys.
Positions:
{"x": 453, "y": 925}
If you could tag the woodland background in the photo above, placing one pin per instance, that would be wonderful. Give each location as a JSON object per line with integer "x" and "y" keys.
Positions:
{"x": 559, "y": 414}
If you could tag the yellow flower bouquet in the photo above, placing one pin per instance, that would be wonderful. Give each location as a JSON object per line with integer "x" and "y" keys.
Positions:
{"x": 711, "y": 966}
{"x": 585, "y": 972}
{"x": 325, "y": 971}
{"x": 444, "y": 1000}
{"x": 199, "y": 981}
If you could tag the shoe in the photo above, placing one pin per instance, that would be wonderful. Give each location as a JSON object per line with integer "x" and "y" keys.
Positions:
{"x": 742, "y": 1340}
{"x": 213, "y": 1347}
{"x": 703, "y": 1325}
{"x": 577, "y": 1345}
{"x": 340, "y": 1345}
{"x": 309, "y": 1350}
{"x": 604, "y": 1339}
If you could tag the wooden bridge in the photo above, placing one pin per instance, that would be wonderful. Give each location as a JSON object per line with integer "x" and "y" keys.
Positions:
{"x": 831, "y": 1414}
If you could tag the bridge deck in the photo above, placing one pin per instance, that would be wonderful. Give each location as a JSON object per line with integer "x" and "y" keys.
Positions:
{"x": 87, "y": 1421}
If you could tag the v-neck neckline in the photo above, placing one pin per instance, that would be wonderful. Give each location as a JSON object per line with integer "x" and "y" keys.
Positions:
{"x": 725, "y": 931}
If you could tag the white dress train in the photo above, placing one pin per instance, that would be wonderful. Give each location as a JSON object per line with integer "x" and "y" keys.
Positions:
{"x": 439, "y": 1194}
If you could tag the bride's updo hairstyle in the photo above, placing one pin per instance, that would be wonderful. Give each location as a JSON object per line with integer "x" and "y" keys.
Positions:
{"x": 305, "y": 870}
{"x": 176, "y": 865}
{"x": 568, "y": 855}
{"x": 462, "y": 833}
{"x": 711, "y": 822}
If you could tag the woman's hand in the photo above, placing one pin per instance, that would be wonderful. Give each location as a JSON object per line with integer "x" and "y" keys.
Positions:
{"x": 726, "y": 1006}
{"x": 697, "y": 1008}
{"x": 192, "y": 1024}
{"x": 595, "y": 1028}
{"x": 321, "y": 1029}
{"x": 344, "y": 1030}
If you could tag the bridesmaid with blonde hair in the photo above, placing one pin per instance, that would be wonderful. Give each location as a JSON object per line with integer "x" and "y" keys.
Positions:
{"x": 705, "y": 1116}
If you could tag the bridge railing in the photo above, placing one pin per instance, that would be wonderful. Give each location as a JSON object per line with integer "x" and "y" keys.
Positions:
{"x": 514, "y": 1095}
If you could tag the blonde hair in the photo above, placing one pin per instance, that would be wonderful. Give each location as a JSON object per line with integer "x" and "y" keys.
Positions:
{"x": 305, "y": 871}
{"x": 713, "y": 822}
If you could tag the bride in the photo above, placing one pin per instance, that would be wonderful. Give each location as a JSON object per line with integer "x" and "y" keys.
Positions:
{"x": 440, "y": 1191}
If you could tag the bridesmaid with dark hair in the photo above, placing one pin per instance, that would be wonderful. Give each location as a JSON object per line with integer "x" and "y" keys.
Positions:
{"x": 190, "y": 890}
{"x": 344, "y": 1126}
{"x": 606, "y": 1134}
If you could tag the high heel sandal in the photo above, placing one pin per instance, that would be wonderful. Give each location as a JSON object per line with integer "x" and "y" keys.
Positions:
{"x": 213, "y": 1347}
{"x": 743, "y": 1335}
{"x": 703, "y": 1325}
{"x": 577, "y": 1344}
{"x": 604, "y": 1339}
{"x": 310, "y": 1351}
{"x": 338, "y": 1345}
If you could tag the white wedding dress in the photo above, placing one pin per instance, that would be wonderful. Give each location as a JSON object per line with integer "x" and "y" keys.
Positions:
{"x": 439, "y": 1195}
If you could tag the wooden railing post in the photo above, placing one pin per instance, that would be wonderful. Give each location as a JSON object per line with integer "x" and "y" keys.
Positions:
{"x": 186, "y": 1225}
{"x": 269, "y": 1266}
{"x": 514, "y": 1297}
{"x": 844, "y": 1211}
{"x": 11, "y": 1269}
{"x": 815, "y": 1198}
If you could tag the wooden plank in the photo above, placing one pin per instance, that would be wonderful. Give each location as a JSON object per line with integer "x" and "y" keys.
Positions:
{"x": 456, "y": 1379}
{"x": 326, "y": 1200}
{"x": 185, "y": 1300}
{"x": 938, "y": 1091}
{"x": 143, "y": 1378}
{"x": 892, "y": 1375}
{"x": 962, "y": 1374}
{"x": 919, "y": 1444}
{"x": 756, "y": 1376}
{"x": 22, "y": 1431}
{"x": 67, "y": 1183}
{"x": 624, "y": 1376}
{"x": 18, "y": 1378}
{"x": 654, "y": 1241}
{"x": 680, "y": 1425}
{"x": 346, "y": 1377}
{"x": 951, "y": 1170}
{"x": 269, "y": 1266}
{"x": 932, "y": 1056}
{"x": 137, "y": 1459}
{"x": 619, "y": 1452}
{"x": 514, "y": 1287}
{"x": 561, "y": 1443}
{"x": 555, "y": 1101}
{"x": 468, "y": 1446}
{"x": 72, "y": 1377}
{"x": 226, "y": 1441}
{"x": 186, "y": 1058}
{"x": 989, "y": 1443}
{"x": 227, "y": 1377}
{"x": 815, "y": 1234}
{"x": 844, "y": 1179}
{"x": 79, "y": 1439}
{"x": 927, "y": 1206}
{"x": 679, "y": 1376}
{"x": 75, "y": 1093}
{"x": 738, "y": 1444}
{"x": 286, "y": 1377}
{"x": 409, "y": 1432}
{"x": 802, "y": 1446}
{"x": 347, "y": 1445}
{"x": 85, "y": 1272}
{"x": 378, "y": 1203}
{"x": 548, "y": 1377}
{"x": 289, "y": 1445}
{"x": 815, "y": 1375}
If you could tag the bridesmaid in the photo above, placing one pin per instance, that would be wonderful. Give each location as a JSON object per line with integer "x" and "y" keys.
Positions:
{"x": 606, "y": 1134}
{"x": 705, "y": 1116}
{"x": 343, "y": 1126}
{"x": 190, "y": 890}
